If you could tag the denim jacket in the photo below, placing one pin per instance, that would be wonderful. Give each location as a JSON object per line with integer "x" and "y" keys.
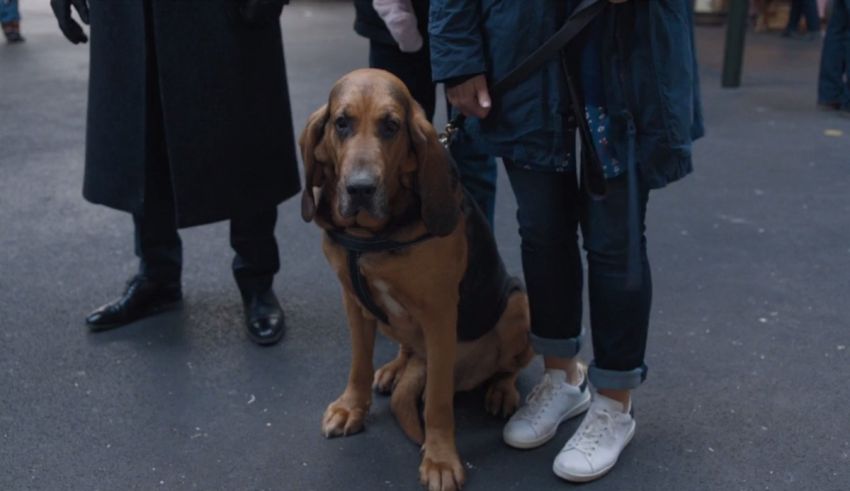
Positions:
{"x": 649, "y": 75}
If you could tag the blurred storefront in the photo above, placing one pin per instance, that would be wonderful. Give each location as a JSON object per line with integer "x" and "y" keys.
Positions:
{"x": 776, "y": 11}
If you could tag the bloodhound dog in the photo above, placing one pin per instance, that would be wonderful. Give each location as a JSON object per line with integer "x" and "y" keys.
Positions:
{"x": 416, "y": 260}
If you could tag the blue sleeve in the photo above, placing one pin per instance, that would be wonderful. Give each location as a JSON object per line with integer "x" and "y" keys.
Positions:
{"x": 457, "y": 47}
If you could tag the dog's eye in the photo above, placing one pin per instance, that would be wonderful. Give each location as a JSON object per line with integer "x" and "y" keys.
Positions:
{"x": 389, "y": 127}
{"x": 342, "y": 125}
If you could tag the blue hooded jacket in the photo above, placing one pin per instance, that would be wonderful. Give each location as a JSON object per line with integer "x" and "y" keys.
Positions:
{"x": 649, "y": 75}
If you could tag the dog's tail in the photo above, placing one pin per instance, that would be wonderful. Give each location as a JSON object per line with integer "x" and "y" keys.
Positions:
{"x": 405, "y": 399}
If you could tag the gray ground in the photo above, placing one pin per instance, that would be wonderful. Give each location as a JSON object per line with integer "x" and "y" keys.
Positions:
{"x": 749, "y": 348}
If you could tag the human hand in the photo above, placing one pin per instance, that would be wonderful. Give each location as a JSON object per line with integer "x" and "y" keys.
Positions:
{"x": 70, "y": 28}
{"x": 471, "y": 97}
{"x": 262, "y": 11}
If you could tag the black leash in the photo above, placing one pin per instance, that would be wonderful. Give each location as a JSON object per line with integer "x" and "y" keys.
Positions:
{"x": 356, "y": 247}
{"x": 586, "y": 11}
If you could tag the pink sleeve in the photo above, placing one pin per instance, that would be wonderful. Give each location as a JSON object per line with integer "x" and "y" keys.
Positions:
{"x": 401, "y": 21}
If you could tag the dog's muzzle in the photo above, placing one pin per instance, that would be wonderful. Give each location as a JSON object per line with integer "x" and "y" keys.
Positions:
{"x": 362, "y": 192}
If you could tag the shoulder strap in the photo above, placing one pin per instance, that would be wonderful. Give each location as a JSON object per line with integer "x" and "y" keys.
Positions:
{"x": 575, "y": 23}
{"x": 586, "y": 11}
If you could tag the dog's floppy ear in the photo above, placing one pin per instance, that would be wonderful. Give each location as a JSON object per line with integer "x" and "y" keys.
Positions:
{"x": 315, "y": 158}
{"x": 436, "y": 180}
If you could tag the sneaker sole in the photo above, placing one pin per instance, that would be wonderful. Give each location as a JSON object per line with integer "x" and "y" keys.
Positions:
{"x": 567, "y": 476}
{"x": 579, "y": 409}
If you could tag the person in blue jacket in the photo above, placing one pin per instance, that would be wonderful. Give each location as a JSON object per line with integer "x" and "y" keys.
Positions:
{"x": 633, "y": 96}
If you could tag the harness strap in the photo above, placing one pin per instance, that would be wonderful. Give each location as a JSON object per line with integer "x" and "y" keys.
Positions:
{"x": 356, "y": 247}
{"x": 361, "y": 288}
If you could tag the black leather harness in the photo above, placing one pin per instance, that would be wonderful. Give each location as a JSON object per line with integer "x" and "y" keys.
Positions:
{"x": 356, "y": 247}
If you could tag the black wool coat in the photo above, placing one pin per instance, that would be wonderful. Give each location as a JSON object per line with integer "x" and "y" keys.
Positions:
{"x": 190, "y": 79}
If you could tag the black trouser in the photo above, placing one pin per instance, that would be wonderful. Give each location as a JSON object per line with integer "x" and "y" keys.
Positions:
{"x": 809, "y": 8}
{"x": 158, "y": 244}
{"x": 551, "y": 208}
{"x": 160, "y": 250}
{"x": 414, "y": 69}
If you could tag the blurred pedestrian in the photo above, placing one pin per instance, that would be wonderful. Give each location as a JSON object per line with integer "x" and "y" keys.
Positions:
{"x": 834, "y": 79}
{"x": 189, "y": 123}
{"x": 398, "y": 43}
{"x": 761, "y": 10}
{"x": 632, "y": 68}
{"x": 10, "y": 19}
{"x": 809, "y": 8}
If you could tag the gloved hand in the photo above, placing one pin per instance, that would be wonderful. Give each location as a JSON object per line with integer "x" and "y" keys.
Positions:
{"x": 262, "y": 11}
{"x": 70, "y": 28}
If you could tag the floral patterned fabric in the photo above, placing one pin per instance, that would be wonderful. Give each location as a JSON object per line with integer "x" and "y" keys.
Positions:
{"x": 592, "y": 86}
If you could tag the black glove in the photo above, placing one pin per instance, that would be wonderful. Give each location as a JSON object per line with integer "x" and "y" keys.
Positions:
{"x": 70, "y": 28}
{"x": 262, "y": 11}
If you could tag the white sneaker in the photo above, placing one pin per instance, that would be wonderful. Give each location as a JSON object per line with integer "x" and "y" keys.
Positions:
{"x": 550, "y": 403}
{"x": 597, "y": 443}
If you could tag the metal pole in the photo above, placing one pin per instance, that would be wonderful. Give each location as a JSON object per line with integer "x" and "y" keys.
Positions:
{"x": 736, "y": 30}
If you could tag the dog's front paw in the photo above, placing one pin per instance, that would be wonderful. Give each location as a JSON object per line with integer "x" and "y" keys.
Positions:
{"x": 344, "y": 417}
{"x": 387, "y": 377}
{"x": 502, "y": 398}
{"x": 441, "y": 469}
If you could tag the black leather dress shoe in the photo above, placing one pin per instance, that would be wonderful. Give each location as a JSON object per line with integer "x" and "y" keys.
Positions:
{"x": 142, "y": 298}
{"x": 263, "y": 317}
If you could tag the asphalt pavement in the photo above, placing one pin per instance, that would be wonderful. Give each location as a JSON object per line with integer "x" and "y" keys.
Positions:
{"x": 749, "y": 348}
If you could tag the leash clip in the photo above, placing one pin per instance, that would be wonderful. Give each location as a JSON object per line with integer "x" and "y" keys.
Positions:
{"x": 448, "y": 134}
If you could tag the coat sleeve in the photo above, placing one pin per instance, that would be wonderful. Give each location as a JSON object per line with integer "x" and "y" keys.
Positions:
{"x": 401, "y": 21}
{"x": 457, "y": 47}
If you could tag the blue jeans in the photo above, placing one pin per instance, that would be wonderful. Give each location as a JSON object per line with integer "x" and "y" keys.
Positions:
{"x": 800, "y": 7}
{"x": 551, "y": 209}
{"x": 9, "y": 11}
{"x": 835, "y": 58}
{"x": 478, "y": 173}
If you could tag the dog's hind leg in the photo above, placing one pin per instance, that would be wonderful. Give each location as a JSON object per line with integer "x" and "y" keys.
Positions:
{"x": 405, "y": 399}
{"x": 502, "y": 397}
{"x": 387, "y": 377}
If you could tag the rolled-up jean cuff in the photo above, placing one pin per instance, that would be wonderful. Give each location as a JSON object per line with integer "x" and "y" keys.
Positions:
{"x": 562, "y": 348}
{"x": 616, "y": 379}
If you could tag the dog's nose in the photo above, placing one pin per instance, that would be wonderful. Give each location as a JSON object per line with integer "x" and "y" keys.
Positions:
{"x": 361, "y": 188}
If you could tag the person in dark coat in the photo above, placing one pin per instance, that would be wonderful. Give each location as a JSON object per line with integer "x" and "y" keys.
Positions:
{"x": 411, "y": 62}
{"x": 629, "y": 86}
{"x": 188, "y": 123}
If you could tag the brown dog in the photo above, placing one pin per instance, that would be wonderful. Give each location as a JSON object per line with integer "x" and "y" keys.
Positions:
{"x": 415, "y": 260}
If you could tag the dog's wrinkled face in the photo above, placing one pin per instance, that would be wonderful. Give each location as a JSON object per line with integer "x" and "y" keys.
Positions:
{"x": 373, "y": 155}
{"x": 367, "y": 142}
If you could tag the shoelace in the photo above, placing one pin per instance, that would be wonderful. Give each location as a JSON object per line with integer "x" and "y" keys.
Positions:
{"x": 539, "y": 397}
{"x": 590, "y": 434}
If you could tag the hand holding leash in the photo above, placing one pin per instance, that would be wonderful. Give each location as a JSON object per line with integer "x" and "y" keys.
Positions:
{"x": 471, "y": 97}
